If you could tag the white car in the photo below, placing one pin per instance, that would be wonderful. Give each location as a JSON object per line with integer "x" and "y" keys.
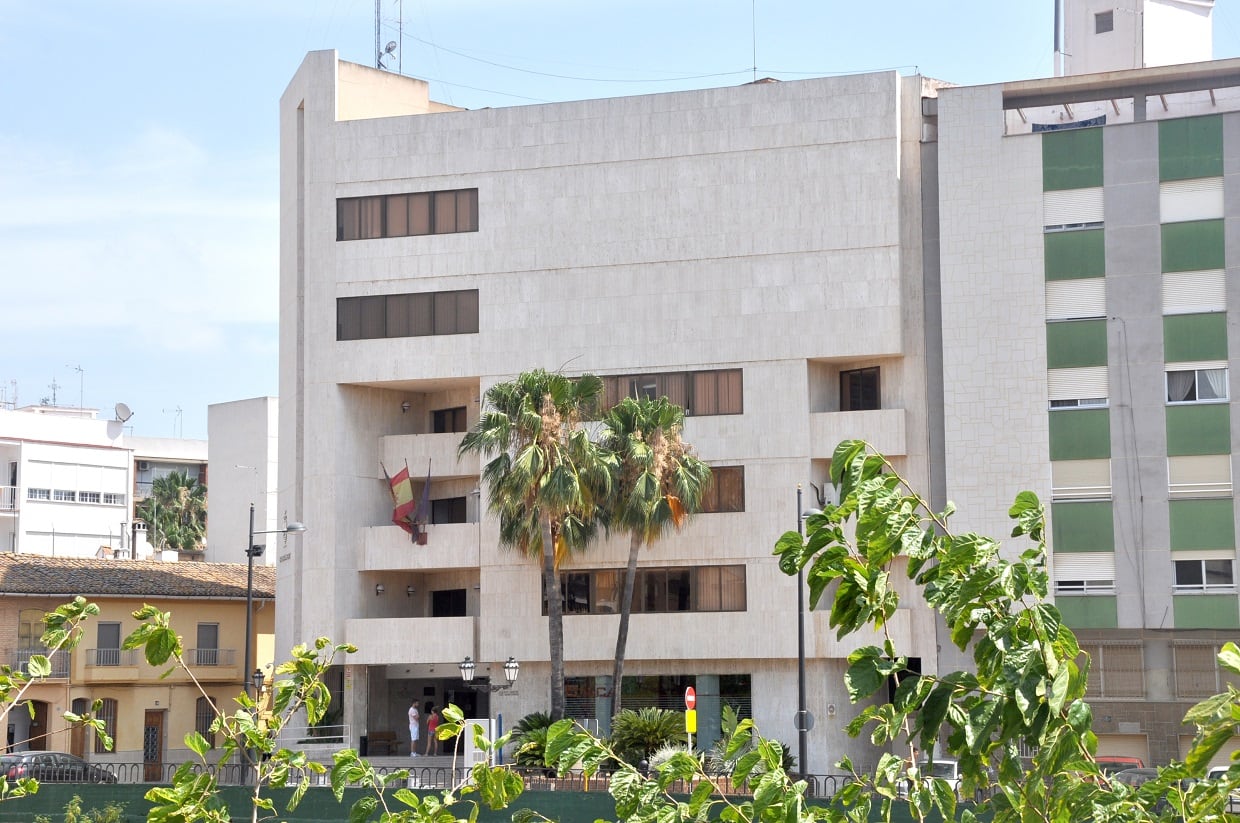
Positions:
{"x": 1218, "y": 773}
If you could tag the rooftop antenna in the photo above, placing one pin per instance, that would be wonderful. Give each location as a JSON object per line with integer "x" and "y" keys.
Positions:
{"x": 177, "y": 427}
{"x": 81, "y": 384}
{"x": 53, "y": 386}
{"x": 753, "y": 31}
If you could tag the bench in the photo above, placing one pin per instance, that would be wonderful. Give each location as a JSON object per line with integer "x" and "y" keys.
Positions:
{"x": 381, "y": 743}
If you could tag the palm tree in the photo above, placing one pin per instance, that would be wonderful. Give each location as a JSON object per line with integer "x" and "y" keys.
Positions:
{"x": 545, "y": 481}
{"x": 659, "y": 484}
{"x": 175, "y": 513}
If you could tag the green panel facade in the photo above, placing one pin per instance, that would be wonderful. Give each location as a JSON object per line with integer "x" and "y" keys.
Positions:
{"x": 1195, "y": 245}
{"x": 1071, "y": 159}
{"x": 1082, "y": 527}
{"x": 1205, "y": 611}
{"x": 1199, "y": 429}
{"x": 1089, "y": 611}
{"x": 1195, "y": 337}
{"x": 1074, "y": 255}
{"x": 1190, "y": 147}
{"x": 1203, "y": 524}
{"x": 1072, "y": 344}
{"x": 1080, "y": 434}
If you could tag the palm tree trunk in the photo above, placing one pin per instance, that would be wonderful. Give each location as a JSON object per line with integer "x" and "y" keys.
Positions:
{"x": 626, "y": 609}
{"x": 555, "y": 621}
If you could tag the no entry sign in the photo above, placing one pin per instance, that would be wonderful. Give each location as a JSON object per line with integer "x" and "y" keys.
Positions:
{"x": 690, "y": 698}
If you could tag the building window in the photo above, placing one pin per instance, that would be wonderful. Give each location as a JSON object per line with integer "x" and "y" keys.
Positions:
{"x": 89, "y": 497}
{"x": 407, "y": 315}
{"x": 204, "y": 718}
{"x": 208, "y": 651}
{"x": 448, "y": 603}
{"x": 1203, "y": 575}
{"x": 859, "y": 390}
{"x": 108, "y": 652}
{"x": 113, "y": 499}
{"x": 1197, "y": 673}
{"x": 449, "y": 421}
{"x": 448, "y": 510}
{"x": 38, "y": 494}
{"x": 726, "y": 490}
{"x": 655, "y": 590}
{"x": 1115, "y": 671}
{"x": 1084, "y": 572}
{"x": 64, "y": 496}
{"x": 1197, "y": 386}
{"x": 407, "y": 215}
{"x": 697, "y": 392}
{"x": 1104, "y": 21}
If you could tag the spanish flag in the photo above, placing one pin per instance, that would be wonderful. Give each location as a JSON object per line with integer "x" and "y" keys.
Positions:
{"x": 402, "y": 498}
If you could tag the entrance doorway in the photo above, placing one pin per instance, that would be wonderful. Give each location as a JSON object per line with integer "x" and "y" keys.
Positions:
{"x": 153, "y": 746}
{"x": 77, "y": 738}
{"x": 38, "y": 727}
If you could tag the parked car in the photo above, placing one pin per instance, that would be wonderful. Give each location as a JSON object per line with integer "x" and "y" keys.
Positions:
{"x": 53, "y": 767}
{"x": 1219, "y": 773}
{"x": 1109, "y": 764}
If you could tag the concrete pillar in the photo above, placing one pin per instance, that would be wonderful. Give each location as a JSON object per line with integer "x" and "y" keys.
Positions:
{"x": 356, "y": 690}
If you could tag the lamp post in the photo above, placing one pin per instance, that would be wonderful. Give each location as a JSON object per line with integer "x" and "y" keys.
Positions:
{"x": 252, "y": 551}
{"x": 804, "y": 720}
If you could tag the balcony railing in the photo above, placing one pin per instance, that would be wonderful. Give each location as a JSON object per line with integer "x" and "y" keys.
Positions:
{"x": 8, "y": 498}
{"x": 211, "y": 657}
{"x": 111, "y": 657}
{"x": 59, "y": 659}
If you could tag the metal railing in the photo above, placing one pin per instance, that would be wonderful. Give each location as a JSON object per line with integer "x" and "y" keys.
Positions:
{"x": 8, "y": 498}
{"x": 210, "y": 657}
{"x": 60, "y": 660}
{"x": 111, "y": 657}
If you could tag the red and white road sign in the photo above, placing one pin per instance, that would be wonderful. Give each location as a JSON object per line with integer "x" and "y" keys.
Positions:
{"x": 690, "y": 698}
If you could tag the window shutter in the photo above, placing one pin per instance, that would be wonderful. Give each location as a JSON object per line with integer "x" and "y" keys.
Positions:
{"x": 1071, "y": 479}
{"x": 1072, "y": 207}
{"x": 1085, "y": 566}
{"x": 1183, "y": 200}
{"x": 1189, "y": 292}
{"x": 1077, "y": 384}
{"x": 1202, "y": 475}
{"x": 1074, "y": 299}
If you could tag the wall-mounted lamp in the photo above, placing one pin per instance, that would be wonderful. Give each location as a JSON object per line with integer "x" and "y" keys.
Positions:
{"x": 511, "y": 669}
{"x": 406, "y": 406}
{"x": 379, "y": 589}
{"x": 409, "y": 590}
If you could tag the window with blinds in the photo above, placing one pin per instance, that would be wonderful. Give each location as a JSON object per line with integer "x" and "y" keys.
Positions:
{"x": 726, "y": 490}
{"x": 1115, "y": 671}
{"x": 407, "y": 215}
{"x": 699, "y": 393}
{"x": 407, "y": 315}
{"x": 1084, "y": 572}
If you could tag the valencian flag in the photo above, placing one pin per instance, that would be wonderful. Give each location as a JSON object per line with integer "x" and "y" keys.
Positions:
{"x": 405, "y": 514}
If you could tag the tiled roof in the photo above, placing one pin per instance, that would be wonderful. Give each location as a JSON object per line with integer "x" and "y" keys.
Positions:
{"x": 37, "y": 574}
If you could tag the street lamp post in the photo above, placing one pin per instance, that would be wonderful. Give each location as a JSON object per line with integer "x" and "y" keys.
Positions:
{"x": 802, "y": 729}
{"x": 804, "y": 720}
{"x": 511, "y": 669}
{"x": 252, "y": 551}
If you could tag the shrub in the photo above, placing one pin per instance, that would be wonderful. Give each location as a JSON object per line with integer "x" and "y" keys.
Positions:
{"x": 530, "y": 738}
{"x": 636, "y": 735}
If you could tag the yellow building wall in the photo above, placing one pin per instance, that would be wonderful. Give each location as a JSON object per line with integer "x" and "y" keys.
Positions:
{"x": 135, "y": 685}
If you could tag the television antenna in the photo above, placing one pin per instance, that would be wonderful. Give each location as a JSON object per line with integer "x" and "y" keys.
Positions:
{"x": 177, "y": 427}
{"x": 81, "y": 384}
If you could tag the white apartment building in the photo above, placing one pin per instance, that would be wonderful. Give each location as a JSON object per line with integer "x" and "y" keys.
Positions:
{"x": 71, "y": 481}
{"x": 756, "y": 253}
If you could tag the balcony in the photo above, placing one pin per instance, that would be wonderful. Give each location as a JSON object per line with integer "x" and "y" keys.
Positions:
{"x": 436, "y": 450}
{"x": 8, "y": 500}
{"x": 60, "y": 661}
{"x": 386, "y": 640}
{"x": 112, "y": 665}
{"x": 214, "y": 664}
{"x": 883, "y": 428}
{"x": 390, "y": 548}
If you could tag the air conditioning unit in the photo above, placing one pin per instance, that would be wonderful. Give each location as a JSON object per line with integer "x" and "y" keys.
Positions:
{"x": 143, "y": 466}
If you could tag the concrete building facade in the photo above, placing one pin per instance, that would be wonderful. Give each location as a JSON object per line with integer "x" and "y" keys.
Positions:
{"x": 1089, "y": 265}
{"x": 756, "y": 253}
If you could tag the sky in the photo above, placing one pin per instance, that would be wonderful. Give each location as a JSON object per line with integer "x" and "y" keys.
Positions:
{"x": 139, "y": 243}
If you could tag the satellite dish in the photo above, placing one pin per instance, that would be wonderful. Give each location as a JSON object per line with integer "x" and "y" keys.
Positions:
{"x": 123, "y": 413}
{"x": 390, "y": 47}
